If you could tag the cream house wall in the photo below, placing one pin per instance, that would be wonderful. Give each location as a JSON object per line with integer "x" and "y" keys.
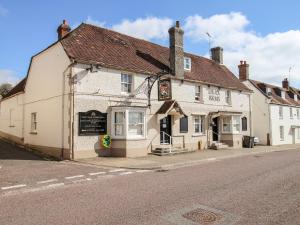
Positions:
{"x": 287, "y": 122}
{"x": 46, "y": 82}
{"x": 260, "y": 114}
{"x": 11, "y": 118}
{"x": 101, "y": 90}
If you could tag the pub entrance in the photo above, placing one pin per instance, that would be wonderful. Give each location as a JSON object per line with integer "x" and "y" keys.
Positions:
{"x": 215, "y": 128}
{"x": 165, "y": 130}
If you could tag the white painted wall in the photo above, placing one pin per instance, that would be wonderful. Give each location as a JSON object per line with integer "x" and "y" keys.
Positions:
{"x": 102, "y": 89}
{"x": 44, "y": 88}
{"x": 11, "y": 115}
{"x": 260, "y": 114}
{"x": 287, "y": 122}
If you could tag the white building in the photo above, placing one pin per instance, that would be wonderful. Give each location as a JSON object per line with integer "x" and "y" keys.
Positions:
{"x": 94, "y": 81}
{"x": 275, "y": 110}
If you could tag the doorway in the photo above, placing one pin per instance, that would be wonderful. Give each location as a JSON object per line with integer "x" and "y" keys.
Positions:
{"x": 165, "y": 130}
{"x": 215, "y": 129}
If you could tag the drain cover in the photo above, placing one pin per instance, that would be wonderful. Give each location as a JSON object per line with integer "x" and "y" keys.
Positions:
{"x": 203, "y": 217}
{"x": 201, "y": 214}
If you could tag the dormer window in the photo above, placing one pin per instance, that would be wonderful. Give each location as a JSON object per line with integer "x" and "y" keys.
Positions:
{"x": 283, "y": 94}
{"x": 295, "y": 97}
{"x": 269, "y": 92}
{"x": 187, "y": 63}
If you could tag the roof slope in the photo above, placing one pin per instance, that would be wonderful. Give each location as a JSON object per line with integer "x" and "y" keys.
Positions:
{"x": 95, "y": 45}
{"x": 20, "y": 87}
{"x": 276, "y": 93}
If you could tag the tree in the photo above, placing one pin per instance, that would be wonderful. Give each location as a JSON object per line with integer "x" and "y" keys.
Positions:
{"x": 5, "y": 88}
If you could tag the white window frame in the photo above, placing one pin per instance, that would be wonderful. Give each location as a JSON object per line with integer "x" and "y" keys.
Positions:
{"x": 127, "y": 82}
{"x": 269, "y": 91}
{"x": 281, "y": 133}
{"x": 33, "y": 127}
{"x": 201, "y": 123}
{"x": 198, "y": 93}
{"x": 283, "y": 94}
{"x": 280, "y": 108}
{"x": 291, "y": 113}
{"x": 187, "y": 63}
{"x": 228, "y": 97}
{"x": 126, "y": 124}
{"x": 232, "y": 123}
{"x": 298, "y": 136}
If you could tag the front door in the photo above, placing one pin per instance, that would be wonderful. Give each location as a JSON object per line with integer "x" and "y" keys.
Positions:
{"x": 165, "y": 130}
{"x": 215, "y": 129}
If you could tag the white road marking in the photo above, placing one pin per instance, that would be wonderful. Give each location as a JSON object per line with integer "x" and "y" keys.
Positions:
{"x": 97, "y": 173}
{"x": 143, "y": 171}
{"x": 46, "y": 181}
{"x": 81, "y": 180}
{"x": 106, "y": 176}
{"x": 116, "y": 170}
{"x": 14, "y": 186}
{"x": 125, "y": 173}
{"x": 73, "y": 177}
{"x": 55, "y": 185}
{"x": 211, "y": 159}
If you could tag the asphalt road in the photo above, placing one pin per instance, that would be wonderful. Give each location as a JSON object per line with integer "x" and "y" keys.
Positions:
{"x": 250, "y": 190}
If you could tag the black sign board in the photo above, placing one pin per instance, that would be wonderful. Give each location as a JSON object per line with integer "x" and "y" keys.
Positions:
{"x": 92, "y": 123}
{"x": 164, "y": 90}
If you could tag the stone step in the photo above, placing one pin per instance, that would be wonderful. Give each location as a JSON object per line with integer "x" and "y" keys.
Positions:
{"x": 174, "y": 150}
{"x": 218, "y": 145}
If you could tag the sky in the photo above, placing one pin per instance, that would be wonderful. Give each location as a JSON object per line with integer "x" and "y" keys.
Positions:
{"x": 266, "y": 34}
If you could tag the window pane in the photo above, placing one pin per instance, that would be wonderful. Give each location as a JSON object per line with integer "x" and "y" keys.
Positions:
{"x": 119, "y": 129}
{"x": 184, "y": 125}
{"x": 119, "y": 116}
{"x": 136, "y": 123}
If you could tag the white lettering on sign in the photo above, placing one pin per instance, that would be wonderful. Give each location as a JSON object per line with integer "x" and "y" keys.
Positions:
{"x": 214, "y": 94}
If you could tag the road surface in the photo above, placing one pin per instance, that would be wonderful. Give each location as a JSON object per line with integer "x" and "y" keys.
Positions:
{"x": 250, "y": 190}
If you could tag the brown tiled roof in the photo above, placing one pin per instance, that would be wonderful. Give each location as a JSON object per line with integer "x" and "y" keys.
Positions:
{"x": 166, "y": 106}
{"x": 20, "y": 87}
{"x": 276, "y": 93}
{"x": 95, "y": 45}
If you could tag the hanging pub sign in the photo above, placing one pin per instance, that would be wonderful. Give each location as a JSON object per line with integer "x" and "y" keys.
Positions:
{"x": 164, "y": 90}
{"x": 92, "y": 123}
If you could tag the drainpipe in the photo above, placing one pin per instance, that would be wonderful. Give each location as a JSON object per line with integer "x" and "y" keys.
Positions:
{"x": 69, "y": 68}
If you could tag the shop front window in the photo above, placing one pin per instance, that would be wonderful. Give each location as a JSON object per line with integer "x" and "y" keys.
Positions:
{"x": 128, "y": 123}
{"x": 231, "y": 124}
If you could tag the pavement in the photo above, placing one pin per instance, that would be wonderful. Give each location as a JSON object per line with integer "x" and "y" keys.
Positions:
{"x": 257, "y": 189}
{"x": 153, "y": 162}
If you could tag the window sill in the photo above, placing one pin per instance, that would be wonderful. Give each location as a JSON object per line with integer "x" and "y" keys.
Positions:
{"x": 12, "y": 126}
{"x": 198, "y": 135}
{"x": 33, "y": 132}
{"x": 199, "y": 101}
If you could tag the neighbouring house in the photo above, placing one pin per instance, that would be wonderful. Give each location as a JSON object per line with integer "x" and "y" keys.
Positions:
{"x": 275, "y": 110}
{"x": 94, "y": 81}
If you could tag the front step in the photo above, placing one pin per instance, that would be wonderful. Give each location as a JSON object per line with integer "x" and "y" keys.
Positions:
{"x": 218, "y": 145}
{"x": 164, "y": 150}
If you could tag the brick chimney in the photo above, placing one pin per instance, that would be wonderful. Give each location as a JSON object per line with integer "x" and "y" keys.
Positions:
{"x": 285, "y": 83}
{"x": 63, "y": 29}
{"x": 217, "y": 54}
{"x": 243, "y": 71}
{"x": 176, "y": 51}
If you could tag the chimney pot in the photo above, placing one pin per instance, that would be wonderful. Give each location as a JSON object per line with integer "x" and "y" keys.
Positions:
{"x": 63, "y": 29}
{"x": 285, "y": 83}
{"x": 176, "y": 51}
{"x": 217, "y": 55}
{"x": 243, "y": 71}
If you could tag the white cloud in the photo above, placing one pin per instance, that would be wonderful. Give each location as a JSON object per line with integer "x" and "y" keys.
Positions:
{"x": 92, "y": 21}
{"x": 8, "y": 76}
{"x": 3, "y": 11}
{"x": 269, "y": 56}
{"x": 145, "y": 28}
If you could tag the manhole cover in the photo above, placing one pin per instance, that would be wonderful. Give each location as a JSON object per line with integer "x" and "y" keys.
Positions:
{"x": 203, "y": 217}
